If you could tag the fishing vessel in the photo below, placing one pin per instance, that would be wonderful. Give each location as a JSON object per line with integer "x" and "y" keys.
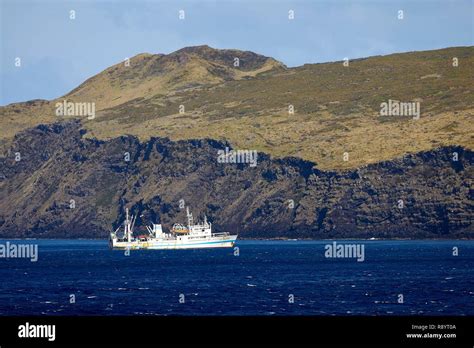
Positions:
{"x": 190, "y": 236}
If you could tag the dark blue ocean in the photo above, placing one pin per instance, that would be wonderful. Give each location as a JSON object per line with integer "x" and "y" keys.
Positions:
{"x": 260, "y": 281}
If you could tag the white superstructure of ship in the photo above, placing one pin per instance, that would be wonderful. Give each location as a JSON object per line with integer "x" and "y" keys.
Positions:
{"x": 180, "y": 236}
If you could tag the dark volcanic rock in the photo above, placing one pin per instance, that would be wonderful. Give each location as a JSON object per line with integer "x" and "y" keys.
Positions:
{"x": 65, "y": 185}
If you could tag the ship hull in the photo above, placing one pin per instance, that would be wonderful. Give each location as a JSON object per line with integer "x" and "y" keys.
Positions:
{"x": 213, "y": 242}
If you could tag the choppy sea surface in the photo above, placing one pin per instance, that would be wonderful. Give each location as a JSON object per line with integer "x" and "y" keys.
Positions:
{"x": 266, "y": 278}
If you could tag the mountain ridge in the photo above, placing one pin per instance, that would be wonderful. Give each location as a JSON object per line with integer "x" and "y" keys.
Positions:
{"x": 154, "y": 74}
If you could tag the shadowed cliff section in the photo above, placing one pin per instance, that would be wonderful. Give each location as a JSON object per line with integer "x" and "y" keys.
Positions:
{"x": 279, "y": 198}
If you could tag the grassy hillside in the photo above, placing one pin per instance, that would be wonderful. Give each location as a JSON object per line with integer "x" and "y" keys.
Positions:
{"x": 336, "y": 107}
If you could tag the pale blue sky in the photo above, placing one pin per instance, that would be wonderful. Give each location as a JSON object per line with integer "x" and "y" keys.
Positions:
{"x": 58, "y": 53}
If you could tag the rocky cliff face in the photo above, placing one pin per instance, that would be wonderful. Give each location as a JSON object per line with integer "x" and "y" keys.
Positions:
{"x": 54, "y": 182}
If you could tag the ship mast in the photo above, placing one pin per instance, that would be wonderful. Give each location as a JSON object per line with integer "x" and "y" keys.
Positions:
{"x": 128, "y": 227}
{"x": 190, "y": 218}
{"x": 134, "y": 219}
